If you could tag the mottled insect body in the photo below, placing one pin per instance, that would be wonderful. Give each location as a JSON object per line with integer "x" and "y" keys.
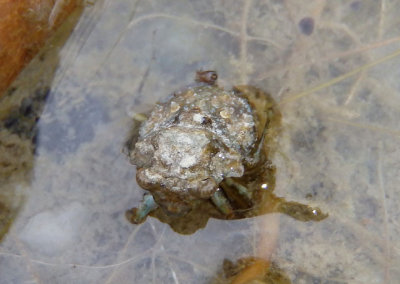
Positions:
{"x": 190, "y": 144}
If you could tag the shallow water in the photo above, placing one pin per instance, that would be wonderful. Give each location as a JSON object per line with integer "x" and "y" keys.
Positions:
{"x": 338, "y": 150}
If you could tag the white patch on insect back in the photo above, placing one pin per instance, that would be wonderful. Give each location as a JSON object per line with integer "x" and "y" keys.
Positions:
{"x": 187, "y": 161}
{"x": 181, "y": 148}
{"x": 227, "y": 164}
{"x": 197, "y": 117}
{"x": 227, "y": 112}
{"x": 174, "y": 107}
{"x": 153, "y": 176}
{"x": 224, "y": 113}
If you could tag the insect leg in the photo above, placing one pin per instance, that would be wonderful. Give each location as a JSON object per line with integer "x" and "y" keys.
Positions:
{"x": 138, "y": 215}
{"x": 241, "y": 189}
{"x": 221, "y": 202}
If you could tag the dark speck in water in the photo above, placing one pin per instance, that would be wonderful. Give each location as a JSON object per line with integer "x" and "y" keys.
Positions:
{"x": 306, "y": 25}
{"x": 355, "y": 5}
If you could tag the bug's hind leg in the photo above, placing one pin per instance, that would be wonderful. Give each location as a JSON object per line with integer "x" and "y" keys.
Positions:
{"x": 222, "y": 203}
{"x": 241, "y": 189}
{"x": 138, "y": 215}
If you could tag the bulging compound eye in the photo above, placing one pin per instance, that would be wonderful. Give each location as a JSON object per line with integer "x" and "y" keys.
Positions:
{"x": 209, "y": 77}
